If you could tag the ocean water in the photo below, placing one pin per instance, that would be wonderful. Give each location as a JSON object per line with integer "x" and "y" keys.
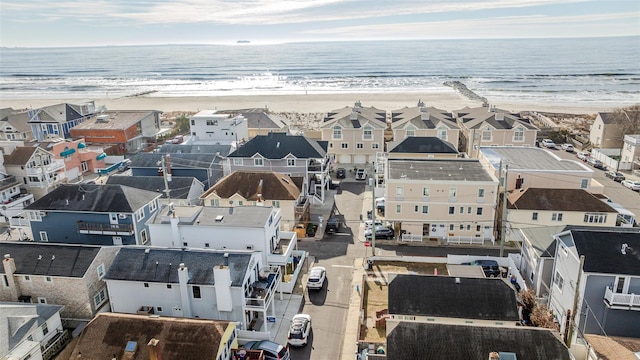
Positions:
{"x": 604, "y": 71}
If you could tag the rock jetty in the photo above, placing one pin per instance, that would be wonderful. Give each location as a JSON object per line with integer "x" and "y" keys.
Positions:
{"x": 464, "y": 90}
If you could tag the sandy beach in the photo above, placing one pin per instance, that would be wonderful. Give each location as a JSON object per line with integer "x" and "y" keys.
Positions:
{"x": 303, "y": 103}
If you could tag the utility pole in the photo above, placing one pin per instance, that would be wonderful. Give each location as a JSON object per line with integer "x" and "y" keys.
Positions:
{"x": 576, "y": 296}
{"x": 503, "y": 228}
{"x": 372, "y": 180}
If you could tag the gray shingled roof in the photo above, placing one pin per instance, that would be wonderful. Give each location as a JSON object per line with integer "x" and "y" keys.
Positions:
{"x": 438, "y": 169}
{"x": 441, "y": 296}
{"x": 222, "y": 150}
{"x": 148, "y": 264}
{"x": 279, "y": 145}
{"x": 178, "y": 161}
{"x": 542, "y": 240}
{"x": 375, "y": 117}
{"x": 94, "y": 198}
{"x": 179, "y": 185}
{"x": 412, "y": 340}
{"x": 475, "y": 118}
{"x": 413, "y": 115}
{"x": 424, "y": 145}
{"x": 50, "y": 259}
{"x": 17, "y": 320}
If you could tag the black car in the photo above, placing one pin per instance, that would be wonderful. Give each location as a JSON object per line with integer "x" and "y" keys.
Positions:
{"x": 615, "y": 176}
{"x": 332, "y": 225}
{"x": 382, "y": 232}
{"x": 341, "y": 173}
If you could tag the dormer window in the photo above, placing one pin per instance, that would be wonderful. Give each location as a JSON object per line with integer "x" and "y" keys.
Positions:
{"x": 411, "y": 131}
{"x": 337, "y": 133}
{"x": 258, "y": 162}
{"x": 518, "y": 134}
{"x": 367, "y": 133}
{"x": 442, "y": 133}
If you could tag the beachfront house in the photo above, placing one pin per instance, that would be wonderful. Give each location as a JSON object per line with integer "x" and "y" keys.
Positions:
{"x": 14, "y": 125}
{"x": 190, "y": 283}
{"x": 261, "y": 121}
{"x": 213, "y": 127}
{"x": 355, "y": 134}
{"x": 93, "y": 214}
{"x": 240, "y": 228}
{"x": 424, "y": 121}
{"x": 597, "y": 275}
{"x": 607, "y": 130}
{"x": 124, "y": 131}
{"x": 262, "y": 188}
{"x": 56, "y": 121}
{"x": 36, "y": 169}
{"x": 630, "y": 156}
{"x": 31, "y": 331}
{"x": 139, "y": 336}
{"x": 488, "y": 126}
{"x": 293, "y": 155}
{"x": 182, "y": 190}
{"x": 206, "y": 167}
{"x": 532, "y": 167}
{"x": 449, "y": 200}
{"x": 60, "y": 274}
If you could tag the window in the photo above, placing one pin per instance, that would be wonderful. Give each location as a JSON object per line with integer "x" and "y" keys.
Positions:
{"x": 425, "y": 192}
{"x": 214, "y": 202}
{"x": 558, "y": 281}
{"x": 367, "y": 133}
{"x": 411, "y": 131}
{"x": 196, "y": 292}
{"x": 478, "y": 227}
{"x": 258, "y": 162}
{"x": 359, "y": 146}
{"x": 6, "y": 281}
{"x": 518, "y": 134}
{"x": 237, "y": 162}
{"x": 398, "y": 208}
{"x": 534, "y": 216}
{"x": 27, "y": 278}
{"x": 206, "y": 245}
{"x": 152, "y": 206}
{"x": 140, "y": 214}
{"x": 146, "y": 285}
{"x": 42, "y": 300}
{"x": 211, "y": 122}
{"x": 337, "y": 133}
{"x": 486, "y": 134}
{"x": 442, "y": 133}
{"x": 374, "y": 146}
{"x": 48, "y": 279}
{"x": 399, "y": 190}
{"x": 452, "y": 192}
{"x": 556, "y": 217}
{"x": 416, "y": 208}
{"x": 480, "y": 193}
{"x": 425, "y": 209}
{"x": 43, "y": 236}
{"x": 461, "y": 226}
{"x": 100, "y": 270}
{"x": 595, "y": 218}
{"x": 584, "y": 184}
{"x": 344, "y": 146}
{"x": 143, "y": 236}
{"x": 291, "y": 162}
{"x": 100, "y": 297}
{"x": 469, "y": 210}
{"x": 461, "y": 209}
{"x": 45, "y": 328}
{"x": 185, "y": 244}
{"x": 450, "y": 227}
{"x": 193, "y": 122}
{"x": 159, "y": 308}
{"x": 479, "y": 211}
{"x": 169, "y": 286}
{"x": 451, "y": 210}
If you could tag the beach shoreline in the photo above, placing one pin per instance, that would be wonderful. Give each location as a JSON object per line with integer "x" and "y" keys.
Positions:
{"x": 304, "y": 103}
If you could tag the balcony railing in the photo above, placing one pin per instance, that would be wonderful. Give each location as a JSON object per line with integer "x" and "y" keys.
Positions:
{"x": 16, "y": 199}
{"x": 631, "y": 301}
{"x": 8, "y": 182}
{"x": 53, "y": 166}
{"x": 262, "y": 291}
{"x": 104, "y": 229}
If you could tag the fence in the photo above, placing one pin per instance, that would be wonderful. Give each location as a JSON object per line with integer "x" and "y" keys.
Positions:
{"x": 411, "y": 238}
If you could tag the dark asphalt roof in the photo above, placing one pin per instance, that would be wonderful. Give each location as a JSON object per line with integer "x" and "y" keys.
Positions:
{"x": 424, "y": 145}
{"x": 440, "y": 296}
{"x": 20, "y": 156}
{"x": 167, "y": 148}
{"x": 94, "y": 198}
{"x": 147, "y": 264}
{"x": 602, "y": 251}
{"x": 413, "y": 340}
{"x": 279, "y": 145}
{"x": 55, "y": 259}
{"x": 557, "y": 199}
{"x": 178, "y": 161}
{"x": 179, "y": 185}
{"x": 249, "y": 184}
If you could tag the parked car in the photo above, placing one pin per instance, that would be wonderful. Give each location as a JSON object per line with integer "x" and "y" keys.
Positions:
{"x": 567, "y": 147}
{"x": 299, "y": 330}
{"x": 333, "y": 225}
{"x": 382, "y": 232}
{"x": 489, "y": 267}
{"x": 316, "y": 277}
{"x": 341, "y": 173}
{"x": 178, "y": 139}
{"x": 367, "y": 224}
{"x": 548, "y": 143}
{"x": 615, "y": 175}
{"x": 271, "y": 350}
{"x": 631, "y": 184}
{"x": 124, "y": 165}
{"x": 582, "y": 155}
{"x": 361, "y": 174}
{"x": 596, "y": 163}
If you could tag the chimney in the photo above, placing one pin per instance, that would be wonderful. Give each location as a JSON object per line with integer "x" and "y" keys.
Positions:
{"x": 499, "y": 116}
{"x": 260, "y": 199}
{"x": 183, "y": 283}
{"x": 155, "y": 350}
{"x": 494, "y": 356}
{"x": 226, "y": 259}
{"x": 9, "y": 265}
{"x": 168, "y": 167}
{"x": 424, "y": 114}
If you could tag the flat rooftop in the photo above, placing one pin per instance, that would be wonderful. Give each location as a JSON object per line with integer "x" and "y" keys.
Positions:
{"x": 239, "y": 216}
{"x": 439, "y": 169}
{"x": 529, "y": 158}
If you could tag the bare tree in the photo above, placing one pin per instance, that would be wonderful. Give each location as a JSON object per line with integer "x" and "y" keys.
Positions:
{"x": 630, "y": 119}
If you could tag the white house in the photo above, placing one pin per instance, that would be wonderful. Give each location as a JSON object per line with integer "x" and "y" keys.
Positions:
{"x": 207, "y": 284}
{"x": 211, "y": 127}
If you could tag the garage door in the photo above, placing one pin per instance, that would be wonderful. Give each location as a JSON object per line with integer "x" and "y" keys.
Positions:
{"x": 344, "y": 159}
{"x": 360, "y": 159}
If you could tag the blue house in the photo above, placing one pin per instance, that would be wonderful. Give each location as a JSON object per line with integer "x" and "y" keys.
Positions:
{"x": 57, "y": 120}
{"x": 93, "y": 214}
{"x": 207, "y": 168}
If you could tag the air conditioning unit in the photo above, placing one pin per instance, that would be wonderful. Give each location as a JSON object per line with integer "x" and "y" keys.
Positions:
{"x": 122, "y": 216}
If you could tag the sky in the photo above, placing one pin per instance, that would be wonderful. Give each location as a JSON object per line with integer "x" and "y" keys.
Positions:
{"x": 61, "y": 23}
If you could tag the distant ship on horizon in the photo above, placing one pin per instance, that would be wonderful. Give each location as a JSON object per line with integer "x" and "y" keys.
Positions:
{"x": 243, "y": 41}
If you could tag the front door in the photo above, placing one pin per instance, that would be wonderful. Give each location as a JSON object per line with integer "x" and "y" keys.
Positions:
{"x": 113, "y": 219}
